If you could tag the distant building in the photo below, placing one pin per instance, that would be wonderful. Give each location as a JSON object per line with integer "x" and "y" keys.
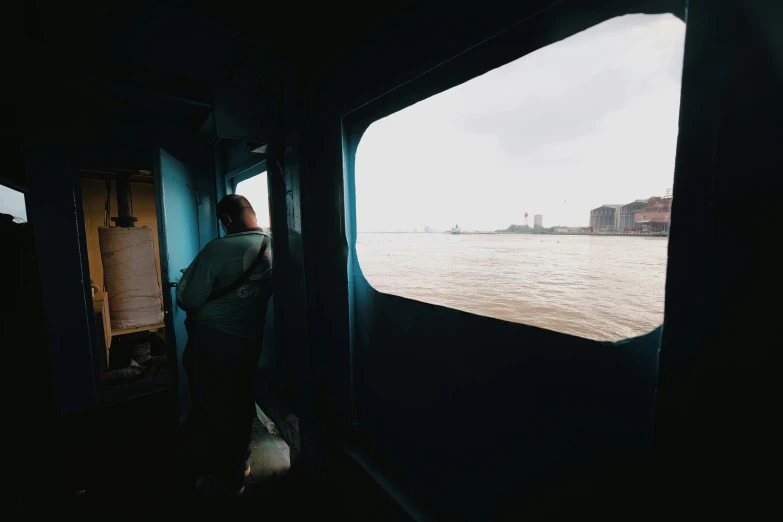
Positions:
{"x": 627, "y": 219}
{"x": 647, "y": 215}
{"x": 655, "y": 216}
{"x": 427, "y": 230}
{"x": 605, "y": 217}
{"x": 571, "y": 230}
{"x": 538, "y": 220}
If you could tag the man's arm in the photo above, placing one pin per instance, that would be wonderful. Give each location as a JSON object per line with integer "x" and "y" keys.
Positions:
{"x": 196, "y": 284}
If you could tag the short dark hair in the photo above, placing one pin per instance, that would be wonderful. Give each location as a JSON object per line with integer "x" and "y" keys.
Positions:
{"x": 234, "y": 206}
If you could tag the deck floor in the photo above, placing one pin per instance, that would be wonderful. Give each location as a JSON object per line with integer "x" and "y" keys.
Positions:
{"x": 127, "y": 457}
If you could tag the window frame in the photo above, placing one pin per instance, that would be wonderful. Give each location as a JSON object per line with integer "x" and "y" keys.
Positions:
{"x": 542, "y": 29}
{"x": 237, "y": 176}
{"x": 241, "y": 174}
{"x": 13, "y": 186}
{"x": 17, "y": 188}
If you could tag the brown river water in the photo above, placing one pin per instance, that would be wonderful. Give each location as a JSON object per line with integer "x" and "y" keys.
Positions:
{"x": 599, "y": 287}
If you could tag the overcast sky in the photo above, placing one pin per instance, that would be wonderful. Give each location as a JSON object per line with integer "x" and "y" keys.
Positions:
{"x": 255, "y": 190}
{"x": 12, "y": 202}
{"x": 583, "y": 122}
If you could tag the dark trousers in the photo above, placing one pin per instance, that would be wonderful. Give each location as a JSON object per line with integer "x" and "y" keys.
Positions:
{"x": 220, "y": 369}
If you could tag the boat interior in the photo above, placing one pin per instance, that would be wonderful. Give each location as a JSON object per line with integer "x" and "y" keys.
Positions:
{"x": 373, "y": 405}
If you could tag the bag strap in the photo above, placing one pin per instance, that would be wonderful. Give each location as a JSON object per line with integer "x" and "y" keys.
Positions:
{"x": 217, "y": 294}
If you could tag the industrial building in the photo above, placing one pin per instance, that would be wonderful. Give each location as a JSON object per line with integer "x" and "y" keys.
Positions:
{"x": 627, "y": 219}
{"x": 538, "y": 221}
{"x": 649, "y": 215}
{"x": 605, "y": 217}
{"x": 655, "y": 216}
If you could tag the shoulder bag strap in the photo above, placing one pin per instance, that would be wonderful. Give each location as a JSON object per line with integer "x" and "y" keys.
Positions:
{"x": 217, "y": 294}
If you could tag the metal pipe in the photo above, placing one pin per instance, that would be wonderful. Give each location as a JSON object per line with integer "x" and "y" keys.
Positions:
{"x": 107, "y": 201}
{"x": 124, "y": 203}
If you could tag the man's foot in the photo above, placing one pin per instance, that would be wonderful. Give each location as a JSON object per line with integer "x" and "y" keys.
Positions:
{"x": 207, "y": 485}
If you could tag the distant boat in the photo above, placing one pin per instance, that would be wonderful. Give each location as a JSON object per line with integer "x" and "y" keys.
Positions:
{"x": 456, "y": 230}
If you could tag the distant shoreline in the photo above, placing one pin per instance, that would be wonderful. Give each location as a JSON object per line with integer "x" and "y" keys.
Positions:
{"x": 618, "y": 234}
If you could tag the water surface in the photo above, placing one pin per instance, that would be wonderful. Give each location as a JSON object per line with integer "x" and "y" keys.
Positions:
{"x": 604, "y": 288}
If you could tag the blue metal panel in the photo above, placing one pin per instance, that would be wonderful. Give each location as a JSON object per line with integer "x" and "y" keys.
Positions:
{"x": 179, "y": 227}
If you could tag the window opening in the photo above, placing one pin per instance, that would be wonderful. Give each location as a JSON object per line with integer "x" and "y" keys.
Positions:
{"x": 257, "y": 193}
{"x": 537, "y": 193}
{"x": 12, "y": 204}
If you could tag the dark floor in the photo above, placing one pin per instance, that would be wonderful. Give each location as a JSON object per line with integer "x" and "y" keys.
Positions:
{"x": 270, "y": 458}
{"x": 123, "y": 458}
{"x": 156, "y": 377}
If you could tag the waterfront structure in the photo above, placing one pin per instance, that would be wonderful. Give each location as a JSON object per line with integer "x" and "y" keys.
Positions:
{"x": 656, "y": 215}
{"x": 605, "y": 217}
{"x": 627, "y": 218}
{"x": 571, "y": 230}
{"x": 643, "y": 215}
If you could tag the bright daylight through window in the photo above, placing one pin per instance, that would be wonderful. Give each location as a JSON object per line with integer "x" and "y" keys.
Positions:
{"x": 255, "y": 190}
{"x": 538, "y": 193}
{"x": 12, "y": 204}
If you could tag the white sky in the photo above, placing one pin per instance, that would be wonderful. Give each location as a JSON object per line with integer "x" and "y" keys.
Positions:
{"x": 255, "y": 190}
{"x": 585, "y": 121}
{"x": 12, "y": 202}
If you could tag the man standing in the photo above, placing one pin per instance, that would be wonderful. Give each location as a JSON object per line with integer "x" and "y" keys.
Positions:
{"x": 225, "y": 292}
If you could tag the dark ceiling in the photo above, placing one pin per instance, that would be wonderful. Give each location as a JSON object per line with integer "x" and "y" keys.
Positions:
{"x": 168, "y": 62}
{"x": 168, "y": 59}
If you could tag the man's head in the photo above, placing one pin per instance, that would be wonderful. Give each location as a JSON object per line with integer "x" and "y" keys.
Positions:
{"x": 236, "y": 213}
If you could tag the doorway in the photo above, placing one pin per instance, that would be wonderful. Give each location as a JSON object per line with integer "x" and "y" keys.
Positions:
{"x": 253, "y": 183}
{"x": 274, "y": 446}
{"x": 121, "y": 236}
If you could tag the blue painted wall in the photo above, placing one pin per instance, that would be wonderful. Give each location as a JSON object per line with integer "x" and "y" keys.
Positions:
{"x": 445, "y": 396}
{"x": 178, "y": 224}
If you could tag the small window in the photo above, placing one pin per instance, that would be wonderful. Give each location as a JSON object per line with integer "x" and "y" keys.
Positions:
{"x": 538, "y": 193}
{"x": 256, "y": 191}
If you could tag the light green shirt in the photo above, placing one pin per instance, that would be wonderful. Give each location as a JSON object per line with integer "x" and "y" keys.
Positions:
{"x": 218, "y": 265}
